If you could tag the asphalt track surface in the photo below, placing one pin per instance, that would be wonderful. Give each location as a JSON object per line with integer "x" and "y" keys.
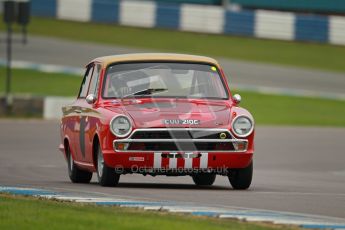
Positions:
{"x": 245, "y": 74}
{"x": 297, "y": 169}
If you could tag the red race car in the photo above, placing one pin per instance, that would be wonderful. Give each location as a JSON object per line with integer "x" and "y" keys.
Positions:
{"x": 157, "y": 114}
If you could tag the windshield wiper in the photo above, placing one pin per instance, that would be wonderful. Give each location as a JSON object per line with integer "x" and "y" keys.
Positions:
{"x": 145, "y": 92}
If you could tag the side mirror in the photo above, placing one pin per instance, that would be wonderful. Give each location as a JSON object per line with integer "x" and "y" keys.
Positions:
{"x": 91, "y": 98}
{"x": 237, "y": 98}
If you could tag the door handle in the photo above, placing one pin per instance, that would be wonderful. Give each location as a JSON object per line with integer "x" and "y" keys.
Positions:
{"x": 77, "y": 111}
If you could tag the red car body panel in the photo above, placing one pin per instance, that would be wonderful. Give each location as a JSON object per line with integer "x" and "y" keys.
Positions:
{"x": 83, "y": 123}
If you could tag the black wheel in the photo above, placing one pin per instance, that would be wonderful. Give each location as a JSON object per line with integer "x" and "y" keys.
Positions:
{"x": 241, "y": 179}
{"x": 106, "y": 175}
{"x": 204, "y": 179}
{"x": 75, "y": 174}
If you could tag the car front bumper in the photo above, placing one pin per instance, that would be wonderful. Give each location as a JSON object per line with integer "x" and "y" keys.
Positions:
{"x": 164, "y": 160}
{"x": 180, "y": 149}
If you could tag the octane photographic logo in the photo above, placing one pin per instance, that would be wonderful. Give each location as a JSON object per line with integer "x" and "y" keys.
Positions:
{"x": 180, "y": 170}
{"x": 119, "y": 169}
{"x": 181, "y": 118}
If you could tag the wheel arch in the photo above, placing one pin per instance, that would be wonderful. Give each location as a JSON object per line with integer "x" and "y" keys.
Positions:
{"x": 66, "y": 145}
{"x": 95, "y": 146}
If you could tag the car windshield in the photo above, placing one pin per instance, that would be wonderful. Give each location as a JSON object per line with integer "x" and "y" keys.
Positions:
{"x": 183, "y": 80}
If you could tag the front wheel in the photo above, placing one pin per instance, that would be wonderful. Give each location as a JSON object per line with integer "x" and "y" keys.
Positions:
{"x": 75, "y": 174}
{"x": 241, "y": 179}
{"x": 204, "y": 179}
{"x": 106, "y": 175}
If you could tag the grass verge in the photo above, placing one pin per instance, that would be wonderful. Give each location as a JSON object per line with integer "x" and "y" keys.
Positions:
{"x": 32, "y": 213}
{"x": 26, "y": 81}
{"x": 289, "y": 110}
{"x": 267, "y": 109}
{"x": 311, "y": 55}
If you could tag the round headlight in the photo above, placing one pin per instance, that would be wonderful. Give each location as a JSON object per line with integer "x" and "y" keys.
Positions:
{"x": 242, "y": 126}
{"x": 120, "y": 126}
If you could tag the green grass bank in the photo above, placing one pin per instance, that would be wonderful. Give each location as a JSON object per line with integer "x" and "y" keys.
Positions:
{"x": 31, "y": 213}
{"x": 309, "y": 55}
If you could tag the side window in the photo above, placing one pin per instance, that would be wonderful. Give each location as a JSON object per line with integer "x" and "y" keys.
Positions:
{"x": 94, "y": 80}
{"x": 85, "y": 84}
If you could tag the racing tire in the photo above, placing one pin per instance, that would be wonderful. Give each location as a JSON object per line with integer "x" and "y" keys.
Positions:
{"x": 107, "y": 176}
{"x": 75, "y": 174}
{"x": 204, "y": 179}
{"x": 240, "y": 179}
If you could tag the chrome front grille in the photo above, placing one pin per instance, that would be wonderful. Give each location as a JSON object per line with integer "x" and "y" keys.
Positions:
{"x": 180, "y": 139}
{"x": 181, "y": 134}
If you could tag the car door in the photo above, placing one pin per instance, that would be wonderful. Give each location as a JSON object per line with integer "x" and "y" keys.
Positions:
{"x": 80, "y": 121}
{"x": 90, "y": 116}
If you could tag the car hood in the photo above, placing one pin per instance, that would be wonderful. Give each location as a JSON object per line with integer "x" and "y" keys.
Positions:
{"x": 176, "y": 113}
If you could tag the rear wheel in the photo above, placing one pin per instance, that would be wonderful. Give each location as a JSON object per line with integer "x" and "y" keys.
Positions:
{"x": 75, "y": 174}
{"x": 106, "y": 175}
{"x": 241, "y": 179}
{"x": 204, "y": 179}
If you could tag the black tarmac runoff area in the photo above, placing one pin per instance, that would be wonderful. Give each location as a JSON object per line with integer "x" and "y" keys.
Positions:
{"x": 296, "y": 169}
